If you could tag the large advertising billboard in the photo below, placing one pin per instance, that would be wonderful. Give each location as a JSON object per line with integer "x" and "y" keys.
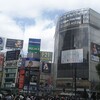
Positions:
{"x": 95, "y": 51}
{"x": 1, "y": 61}
{"x": 2, "y": 40}
{"x": 45, "y": 56}
{"x": 46, "y": 67}
{"x": 34, "y": 45}
{"x": 12, "y": 55}
{"x": 72, "y": 56}
{"x": 14, "y": 43}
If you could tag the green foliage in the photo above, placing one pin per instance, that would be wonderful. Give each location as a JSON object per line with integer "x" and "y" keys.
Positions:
{"x": 98, "y": 69}
{"x": 99, "y": 56}
{"x": 98, "y": 87}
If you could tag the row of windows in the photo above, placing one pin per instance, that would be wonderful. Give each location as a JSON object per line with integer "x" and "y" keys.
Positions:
{"x": 10, "y": 75}
{"x": 12, "y": 70}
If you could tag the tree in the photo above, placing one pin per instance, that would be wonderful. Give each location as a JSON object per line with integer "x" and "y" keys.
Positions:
{"x": 98, "y": 69}
{"x": 98, "y": 72}
{"x": 98, "y": 66}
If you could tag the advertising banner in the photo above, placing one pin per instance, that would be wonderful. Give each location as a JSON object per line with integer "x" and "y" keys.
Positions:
{"x": 34, "y": 45}
{"x": 72, "y": 56}
{"x": 2, "y": 43}
{"x": 95, "y": 51}
{"x": 45, "y": 56}
{"x": 12, "y": 55}
{"x": 1, "y": 61}
{"x": 46, "y": 67}
{"x": 14, "y": 43}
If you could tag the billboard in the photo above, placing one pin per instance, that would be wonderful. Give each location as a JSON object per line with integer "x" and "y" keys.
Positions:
{"x": 45, "y": 56}
{"x": 95, "y": 51}
{"x": 34, "y": 45}
{"x": 12, "y": 55}
{"x": 14, "y": 43}
{"x": 2, "y": 43}
{"x": 1, "y": 61}
{"x": 72, "y": 56}
{"x": 46, "y": 67}
{"x": 32, "y": 62}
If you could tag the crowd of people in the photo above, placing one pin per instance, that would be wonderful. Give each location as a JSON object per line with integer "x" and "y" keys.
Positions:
{"x": 33, "y": 97}
{"x": 28, "y": 96}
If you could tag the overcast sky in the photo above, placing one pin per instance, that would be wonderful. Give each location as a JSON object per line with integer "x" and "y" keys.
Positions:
{"x": 24, "y": 19}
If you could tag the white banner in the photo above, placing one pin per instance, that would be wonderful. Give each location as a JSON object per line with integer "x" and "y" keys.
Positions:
{"x": 72, "y": 56}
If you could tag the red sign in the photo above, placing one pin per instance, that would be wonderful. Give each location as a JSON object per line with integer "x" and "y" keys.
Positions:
{"x": 1, "y": 61}
{"x": 21, "y": 78}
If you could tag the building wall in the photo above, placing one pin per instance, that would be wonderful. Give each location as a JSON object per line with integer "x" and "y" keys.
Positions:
{"x": 76, "y": 30}
{"x": 74, "y": 39}
{"x": 94, "y": 38}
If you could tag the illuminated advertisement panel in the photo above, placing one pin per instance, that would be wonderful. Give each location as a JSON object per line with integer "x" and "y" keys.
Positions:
{"x": 72, "y": 56}
{"x": 14, "y": 43}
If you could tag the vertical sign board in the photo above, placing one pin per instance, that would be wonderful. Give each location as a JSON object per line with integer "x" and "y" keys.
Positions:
{"x": 95, "y": 51}
{"x": 34, "y": 45}
{"x": 21, "y": 78}
{"x": 45, "y": 56}
{"x": 2, "y": 43}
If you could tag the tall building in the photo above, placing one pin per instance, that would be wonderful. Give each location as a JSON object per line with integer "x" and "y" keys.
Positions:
{"x": 77, "y": 33}
{"x": 10, "y": 69}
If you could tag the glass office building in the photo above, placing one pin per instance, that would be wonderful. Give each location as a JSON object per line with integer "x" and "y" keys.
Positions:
{"x": 77, "y": 30}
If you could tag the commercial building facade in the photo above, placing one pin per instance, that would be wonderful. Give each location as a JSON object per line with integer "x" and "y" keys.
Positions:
{"x": 79, "y": 29}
